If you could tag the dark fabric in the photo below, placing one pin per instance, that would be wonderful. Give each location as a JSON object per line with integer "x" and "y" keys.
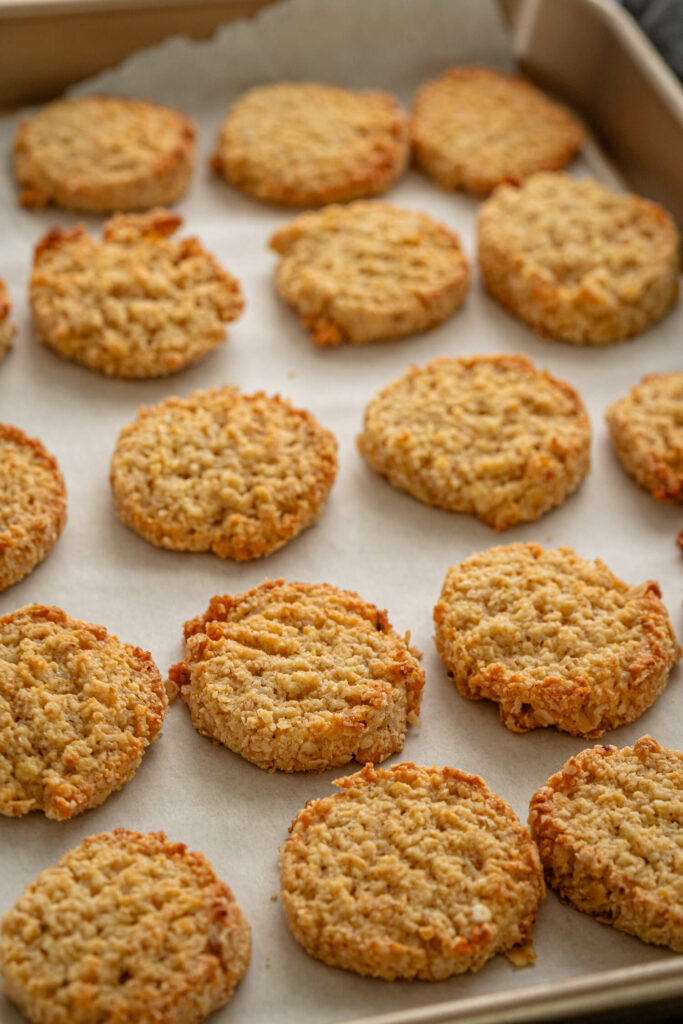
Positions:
{"x": 662, "y": 21}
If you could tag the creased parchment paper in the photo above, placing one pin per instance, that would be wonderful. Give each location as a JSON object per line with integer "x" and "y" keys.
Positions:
{"x": 391, "y": 549}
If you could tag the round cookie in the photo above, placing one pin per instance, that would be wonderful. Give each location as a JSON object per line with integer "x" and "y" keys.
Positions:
{"x": 475, "y": 128}
{"x": 488, "y": 435}
{"x": 553, "y": 639}
{"x": 304, "y": 144}
{"x": 577, "y": 262}
{"x": 7, "y": 328}
{"x": 238, "y": 475}
{"x": 300, "y": 677}
{"x": 369, "y": 271}
{"x": 140, "y": 303}
{"x": 32, "y": 504}
{"x": 77, "y": 710}
{"x": 411, "y": 872}
{"x": 609, "y": 829}
{"x": 103, "y": 154}
{"x": 125, "y": 927}
{"x": 647, "y": 430}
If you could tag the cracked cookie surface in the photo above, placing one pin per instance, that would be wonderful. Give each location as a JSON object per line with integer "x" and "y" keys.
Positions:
{"x": 411, "y": 872}
{"x": 369, "y": 271}
{"x": 609, "y": 829}
{"x": 139, "y": 303}
{"x": 103, "y": 154}
{"x": 554, "y": 639}
{"x": 125, "y": 927}
{"x": 299, "y": 677}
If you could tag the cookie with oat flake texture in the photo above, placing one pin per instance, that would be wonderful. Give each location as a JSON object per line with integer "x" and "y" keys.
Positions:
{"x": 300, "y": 677}
{"x": 609, "y": 829}
{"x": 411, "y": 872}
{"x": 475, "y": 127}
{"x": 139, "y": 303}
{"x": 647, "y": 430}
{"x": 7, "y": 328}
{"x": 78, "y": 708}
{"x": 488, "y": 435}
{"x": 238, "y": 475}
{"x": 577, "y": 262}
{"x": 32, "y": 504}
{"x": 305, "y": 144}
{"x": 554, "y": 639}
{"x": 125, "y": 927}
{"x": 103, "y": 154}
{"x": 369, "y": 271}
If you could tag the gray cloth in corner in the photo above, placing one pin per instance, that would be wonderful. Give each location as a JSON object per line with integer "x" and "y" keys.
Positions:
{"x": 662, "y": 21}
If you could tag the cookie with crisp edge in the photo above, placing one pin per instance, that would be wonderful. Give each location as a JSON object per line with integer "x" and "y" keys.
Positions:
{"x": 238, "y": 475}
{"x": 125, "y": 927}
{"x": 577, "y": 262}
{"x": 307, "y": 144}
{"x": 647, "y": 430}
{"x": 7, "y": 328}
{"x": 553, "y": 639}
{"x": 475, "y": 128}
{"x": 32, "y": 504}
{"x": 368, "y": 272}
{"x": 411, "y": 872}
{"x": 78, "y": 709}
{"x": 138, "y": 303}
{"x": 488, "y": 435}
{"x": 608, "y": 829}
{"x": 299, "y": 677}
{"x": 104, "y": 154}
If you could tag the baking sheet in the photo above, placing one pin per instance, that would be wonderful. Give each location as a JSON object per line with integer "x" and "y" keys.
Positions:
{"x": 391, "y": 549}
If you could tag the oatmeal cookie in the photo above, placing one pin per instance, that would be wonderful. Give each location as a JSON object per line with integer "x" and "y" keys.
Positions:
{"x": 553, "y": 639}
{"x": 369, "y": 271}
{"x": 577, "y": 262}
{"x": 411, "y": 872}
{"x": 475, "y": 128}
{"x": 103, "y": 154}
{"x": 125, "y": 927}
{"x": 32, "y": 504}
{"x": 647, "y": 431}
{"x": 7, "y": 328}
{"x": 304, "y": 144}
{"x": 609, "y": 829}
{"x": 77, "y": 710}
{"x": 488, "y": 435}
{"x": 140, "y": 303}
{"x": 219, "y": 471}
{"x": 300, "y": 677}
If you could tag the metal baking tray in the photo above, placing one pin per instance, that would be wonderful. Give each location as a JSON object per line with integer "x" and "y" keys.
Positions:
{"x": 588, "y": 52}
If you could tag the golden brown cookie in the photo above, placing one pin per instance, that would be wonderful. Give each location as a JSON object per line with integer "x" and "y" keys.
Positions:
{"x": 300, "y": 677}
{"x": 32, "y": 504}
{"x": 475, "y": 128}
{"x": 219, "y": 471}
{"x": 647, "y": 430}
{"x": 489, "y": 435}
{"x": 7, "y": 328}
{"x": 104, "y": 154}
{"x": 140, "y": 303}
{"x": 609, "y": 829}
{"x": 553, "y": 639}
{"x": 577, "y": 262}
{"x": 125, "y": 927}
{"x": 411, "y": 872}
{"x": 304, "y": 144}
{"x": 77, "y": 710}
{"x": 369, "y": 271}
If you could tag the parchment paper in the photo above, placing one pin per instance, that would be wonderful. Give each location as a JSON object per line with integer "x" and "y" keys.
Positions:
{"x": 391, "y": 549}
